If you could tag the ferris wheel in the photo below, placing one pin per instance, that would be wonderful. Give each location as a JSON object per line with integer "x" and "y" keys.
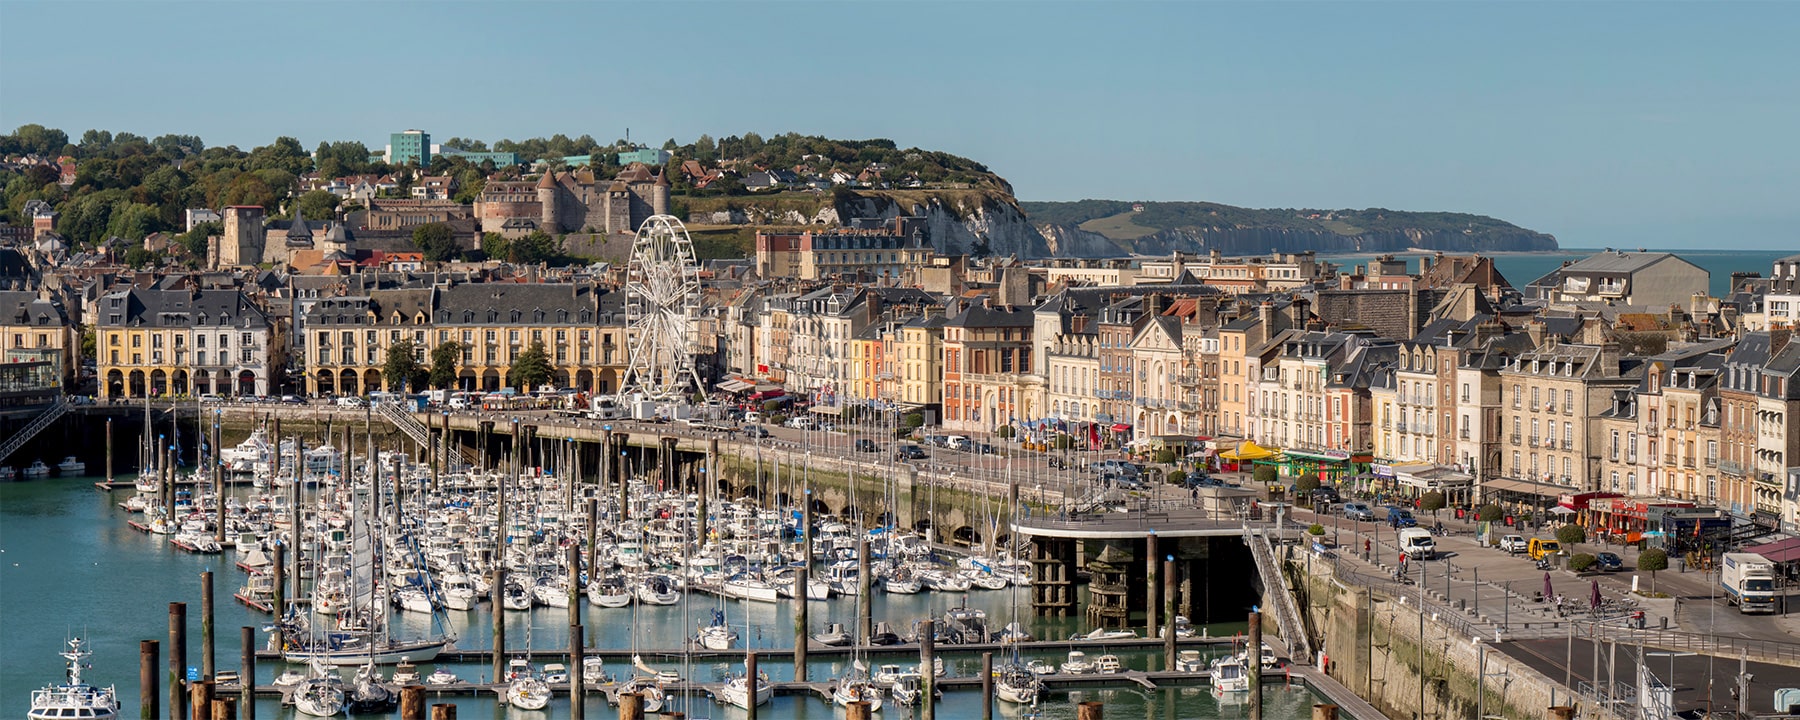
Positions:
{"x": 662, "y": 297}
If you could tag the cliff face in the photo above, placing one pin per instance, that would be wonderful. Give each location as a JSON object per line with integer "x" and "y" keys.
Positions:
{"x": 1076, "y": 242}
{"x": 973, "y": 223}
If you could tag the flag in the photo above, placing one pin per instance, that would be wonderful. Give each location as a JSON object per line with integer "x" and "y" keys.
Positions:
{"x": 1093, "y": 436}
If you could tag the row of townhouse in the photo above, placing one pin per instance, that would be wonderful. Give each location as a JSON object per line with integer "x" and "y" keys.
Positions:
{"x": 174, "y": 342}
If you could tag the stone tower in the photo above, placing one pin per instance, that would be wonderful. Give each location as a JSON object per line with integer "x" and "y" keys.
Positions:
{"x": 242, "y": 243}
{"x": 659, "y": 194}
{"x": 546, "y": 192}
{"x": 618, "y": 208}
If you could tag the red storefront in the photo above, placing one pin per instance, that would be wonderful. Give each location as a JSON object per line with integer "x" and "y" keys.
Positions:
{"x": 1582, "y": 504}
{"x": 1626, "y": 518}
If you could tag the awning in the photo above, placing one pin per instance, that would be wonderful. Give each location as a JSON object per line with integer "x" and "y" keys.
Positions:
{"x": 1326, "y": 455}
{"x": 734, "y": 385}
{"x": 1526, "y": 487}
{"x": 1247, "y": 451}
{"x": 828, "y": 409}
{"x": 1121, "y": 427}
{"x": 1784, "y": 551}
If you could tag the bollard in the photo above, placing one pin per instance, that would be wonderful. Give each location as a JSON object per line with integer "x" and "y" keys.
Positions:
{"x": 1325, "y": 712}
{"x": 224, "y": 708}
{"x": 858, "y": 710}
{"x": 148, "y": 696}
{"x": 206, "y": 623}
{"x": 631, "y": 706}
{"x": 1169, "y": 612}
{"x": 200, "y": 699}
{"x": 177, "y": 660}
{"x": 412, "y": 702}
{"x": 444, "y": 711}
{"x": 1090, "y": 710}
{"x": 247, "y": 672}
{"x": 751, "y": 681}
{"x": 577, "y": 686}
{"x": 927, "y": 669}
{"x": 987, "y": 686}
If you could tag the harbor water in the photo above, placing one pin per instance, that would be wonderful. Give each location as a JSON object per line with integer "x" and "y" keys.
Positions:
{"x": 70, "y": 565}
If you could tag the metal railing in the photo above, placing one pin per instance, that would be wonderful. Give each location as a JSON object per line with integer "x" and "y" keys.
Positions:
{"x": 37, "y": 425}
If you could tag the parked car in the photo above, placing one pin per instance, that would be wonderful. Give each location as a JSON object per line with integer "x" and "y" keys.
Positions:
{"x": 1514, "y": 544}
{"x": 753, "y": 417}
{"x": 292, "y": 400}
{"x": 802, "y": 422}
{"x": 942, "y": 441}
{"x": 1358, "y": 511}
{"x": 755, "y": 431}
{"x": 867, "y": 445}
{"x": 1116, "y": 467}
{"x": 1325, "y": 494}
{"x": 982, "y": 449}
{"x": 350, "y": 401}
{"x": 210, "y": 398}
{"x": 956, "y": 442}
{"x": 1608, "y": 562}
{"x": 909, "y": 452}
{"x": 1399, "y": 517}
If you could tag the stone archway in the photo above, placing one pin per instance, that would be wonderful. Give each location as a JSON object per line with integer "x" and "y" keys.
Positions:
{"x": 347, "y": 384}
{"x": 490, "y": 380}
{"x": 179, "y": 385}
{"x": 203, "y": 382}
{"x": 159, "y": 383}
{"x": 584, "y": 380}
{"x": 115, "y": 384}
{"x": 324, "y": 383}
{"x": 371, "y": 381}
{"x": 465, "y": 380}
{"x": 138, "y": 388}
{"x": 247, "y": 383}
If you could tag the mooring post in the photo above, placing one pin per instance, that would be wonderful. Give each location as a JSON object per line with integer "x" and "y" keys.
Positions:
{"x": 499, "y": 592}
{"x": 865, "y": 618}
{"x": 801, "y": 580}
{"x": 577, "y": 683}
{"x": 927, "y": 669}
{"x": 1253, "y": 655}
{"x": 200, "y": 697}
{"x": 206, "y": 624}
{"x": 149, "y": 695}
{"x": 987, "y": 685}
{"x": 1151, "y": 586}
{"x": 858, "y": 710}
{"x": 1090, "y": 710}
{"x": 412, "y": 702}
{"x": 109, "y": 451}
{"x": 224, "y": 708}
{"x": 593, "y": 535}
{"x": 443, "y": 711}
{"x": 247, "y": 672}
{"x": 631, "y": 706}
{"x": 575, "y": 599}
{"x": 751, "y": 681}
{"x": 1327, "y": 712}
{"x": 177, "y": 661}
{"x": 279, "y": 568}
{"x": 1169, "y": 612}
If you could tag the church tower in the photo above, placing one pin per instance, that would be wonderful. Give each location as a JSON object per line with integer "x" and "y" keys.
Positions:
{"x": 546, "y": 192}
{"x": 659, "y": 194}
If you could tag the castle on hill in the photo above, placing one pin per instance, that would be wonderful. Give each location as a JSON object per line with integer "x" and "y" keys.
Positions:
{"x": 573, "y": 201}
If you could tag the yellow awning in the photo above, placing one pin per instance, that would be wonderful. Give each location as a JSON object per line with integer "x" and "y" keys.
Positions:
{"x": 1247, "y": 451}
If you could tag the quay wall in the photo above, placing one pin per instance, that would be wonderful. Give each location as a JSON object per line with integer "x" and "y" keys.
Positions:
{"x": 1372, "y": 644}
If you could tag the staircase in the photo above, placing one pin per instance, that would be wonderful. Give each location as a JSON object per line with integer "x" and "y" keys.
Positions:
{"x": 1287, "y": 614}
{"x": 37, "y": 425}
{"x": 415, "y": 429}
{"x": 1096, "y": 499}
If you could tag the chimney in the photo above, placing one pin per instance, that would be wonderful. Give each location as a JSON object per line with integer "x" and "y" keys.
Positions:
{"x": 1153, "y": 304}
{"x": 1535, "y": 330}
{"x": 1778, "y": 339}
{"x": 1486, "y": 332}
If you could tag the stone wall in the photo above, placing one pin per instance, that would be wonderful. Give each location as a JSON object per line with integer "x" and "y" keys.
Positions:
{"x": 1372, "y": 646}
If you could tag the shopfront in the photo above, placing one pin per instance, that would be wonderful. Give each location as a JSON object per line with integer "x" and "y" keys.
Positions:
{"x": 1681, "y": 530}
{"x": 1415, "y": 480}
{"x": 1526, "y": 502}
{"x": 1580, "y": 505}
{"x": 1329, "y": 466}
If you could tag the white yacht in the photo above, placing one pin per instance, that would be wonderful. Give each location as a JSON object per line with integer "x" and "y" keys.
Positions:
{"x": 1077, "y": 664}
{"x": 1189, "y": 661}
{"x": 525, "y": 688}
{"x": 610, "y": 592}
{"x": 322, "y": 694}
{"x": 737, "y": 691}
{"x": 657, "y": 589}
{"x": 37, "y": 470}
{"x": 71, "y": 467}
{"x": 1229, "y": 674}
{"x": 74, "y": 699}
{"x": 1014, "y": 683}
{"x": 8, "y": 474}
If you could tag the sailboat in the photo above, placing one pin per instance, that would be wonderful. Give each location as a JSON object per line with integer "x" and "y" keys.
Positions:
{"x": 718, "y": 635}
{"x": 854, "y": 685}
{"x": 525, "y": 688}
{"x": 736, "y": 691}
{"x": 367, "y": 694}
{"x": 322, "y": 693}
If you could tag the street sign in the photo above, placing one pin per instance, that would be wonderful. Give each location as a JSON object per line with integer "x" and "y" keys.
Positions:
{"x": 193, "y": 674}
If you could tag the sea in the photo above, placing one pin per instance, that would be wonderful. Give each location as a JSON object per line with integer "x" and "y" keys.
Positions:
{"x": 69, "y": 565}
{"x": 1520, "y": 268}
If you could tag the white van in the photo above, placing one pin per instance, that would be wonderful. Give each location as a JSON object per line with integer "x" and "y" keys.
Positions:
{"x": 1417, "y": 543}
{"x": 753, "y": 417}
{"x": 957, "y": 442}
{"x": 349, "y": 401}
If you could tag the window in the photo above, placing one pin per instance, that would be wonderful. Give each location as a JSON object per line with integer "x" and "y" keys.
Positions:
{"x": 200, "y": 357}
{"x": 1465, "y": 393}
{"x": 224, "y": 340}
{"x": 200, "y": 341}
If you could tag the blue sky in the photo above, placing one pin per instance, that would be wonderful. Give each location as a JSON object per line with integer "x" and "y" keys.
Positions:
{"x": 1625, "y": 124}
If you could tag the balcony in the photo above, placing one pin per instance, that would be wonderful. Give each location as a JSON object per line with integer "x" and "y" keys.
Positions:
{"x": 1687, "y": 463}
{"x": 1534, "y": 441}
{"x": 1669, "y": 459}
{"x": 1568, "y": 445}
{"x": 1187, "y": 379}
{"x": 1730, "y": 467}
{"x": 1515, "y": 438}
{"x": 1187, "y": 406}
{"x": 1712, "y": 462}
{"x": 1464, "y": 435}
{"x": 1400, "y": 427}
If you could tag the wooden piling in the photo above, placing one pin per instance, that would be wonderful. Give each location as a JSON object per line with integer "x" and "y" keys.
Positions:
{"x": 149, "y": 696}
{"x": 1090, "y": 710}
{"x": 443, "y": 711}
{"x": 279, "y": 567}
{"x": 858, "y": 710}
{"x": 499, "y": 593}
{"x": 200, "y": 698}
{"x": 593, "y": 535}
{"x": 987, "y": 686}
{"x": 177, "y": 661}
{"x": 1562, "y": 712}
{"x": 802, "y": 577}
{"x": 1169, "y": 612}
{"x": 1253, "y": 651}
{"x": 109, "y": 451}
{"x": 1325, "y": 712}
{"x": 206, "y": 624}
{"x": 865, "y": 619}
{"x": 927, "y": 669}
{"x": 751, "y": 681}
{"x": 1151, "y": 586}
{"x": 577, "y": 686}
{"x": 224, "y": 708}
{"x": 247, "y": 672}
{"x": 412, "y": 702}
{"x": 575, "y": 599}
{"x": 218, "y": 478}
{"x": 631, "y": 706}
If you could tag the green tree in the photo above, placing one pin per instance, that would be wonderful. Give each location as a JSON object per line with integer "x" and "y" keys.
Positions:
{"x": 1264, "y": 474}
{"x": 1432, "y": 502}
{"x": 1004, "y": 432}
{"x": 538, "y": 247}
{"x": 1305, "y": 485}
{"x": 318, "y": 205}
{"x": 1490, "y": 513}
{"x": 138, "y": 257}
{"x": 1653, "y": 560}
{"x": 443, "y": 364}
{"x": 1571, "y": 535}
{"x": 495, "y": 246}
{"x": 89, "y": 343}
{"x": 1582, "y": 562}
{"x": 400, "y": 368}
{"x": 195, "y": 240}
{"x": 1176, "y": 477}
{"x": 437, "y": 241}
{"x": 1165, "y": 456}
{"x": 530, "y": 369}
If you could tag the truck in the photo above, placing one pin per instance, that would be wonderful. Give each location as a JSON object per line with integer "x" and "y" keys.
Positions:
{"x": 1749, "y": 582}
{"x": 1417, "y": 543}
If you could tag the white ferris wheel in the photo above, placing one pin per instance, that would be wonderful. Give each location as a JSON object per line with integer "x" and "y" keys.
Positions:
{"x": 662, "y": 298}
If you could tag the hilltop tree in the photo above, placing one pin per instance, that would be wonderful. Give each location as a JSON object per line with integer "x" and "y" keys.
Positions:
{"x": 318, "y": 205}
{"x": 436, "y": 240}
{"x": 530, "y": 369}
{"x": 443, "y": 364}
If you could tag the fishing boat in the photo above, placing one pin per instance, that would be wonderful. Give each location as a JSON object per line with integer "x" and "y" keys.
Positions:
{"x": 525, "y": 688}
{"x": 37, "y": 470}
{"x": 1077, "y": 664}
{"x": 1014, "y": 683}
{"x": 322, "y": 693}
{"x": 834, "y": 636}
{"x": 1189, "y": 661}
{"x": 71, "y": 467}
{"x": 74, "y": 698}
{"x": 1229, "y": 674}
{"x": 736, "y": 691}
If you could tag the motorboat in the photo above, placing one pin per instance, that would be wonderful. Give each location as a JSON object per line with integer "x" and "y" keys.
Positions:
{"x": 1184, "y": 629}
{"x": 74, "y": 699}
{"x": 289, "y": 678}
{"x": 745, "y": 587}
{"x": 1106, "y": 634}
{"x": 1077, "y": 664}
{"x": 1229, "y": 674}
{"x": 657, "y": 589}
{"x": 37, "y": 470}
{"x": 1189, "y": 661}
{"x": 883, "y": 634}
{"x": 414, "y": 599}
{"x": 610, "y": 592}
{"x": 441, "y": 677}
{"x": 1108, "y": 664}
{"x": 963, "y": 626}
{"x": 525, "y": 688}
{"x": 1016, "y": 684}
{"x": 593, "y": 671}
{"x": 834, "y": 636}
{"x": 199, "y": 543}
{"x": 71, "y": 467}
{"x": 1041, "y": 667}
{"x": 322, "y": 693}
{"x": 885, "y": 675}
{"x": 556, "y": 673}
{"x": 1267, "y": 656}
{"x": 405, "y": 674}
{"x": 1012, "y": 633}
{"x": 946, "y": 582}
{"x": 514, "y": 596}
{"x": 647, "y": 687}
{"x": 908, "y": 689}
{"x": 459, "y": 592}
{"x": 8, "y": 474}
{"x": 736, "y": 691}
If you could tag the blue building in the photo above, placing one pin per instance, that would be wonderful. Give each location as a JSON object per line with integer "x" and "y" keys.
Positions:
{"x": 647, "y": 156}
{"x": 412, "y": 147}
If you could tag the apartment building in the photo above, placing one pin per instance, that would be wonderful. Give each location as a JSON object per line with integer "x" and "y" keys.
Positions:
{"x": 173, "y": 343}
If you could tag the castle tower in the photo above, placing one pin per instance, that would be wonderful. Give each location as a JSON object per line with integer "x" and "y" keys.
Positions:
{"x": 242, "y": 243}
{"x": 546, "y": 192}
{"x": 659, "y": 194}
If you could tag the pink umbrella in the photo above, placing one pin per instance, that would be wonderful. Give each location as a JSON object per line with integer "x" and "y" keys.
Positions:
{"x": 1549, "y": 592}
{"x": 1594, "y": 599}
